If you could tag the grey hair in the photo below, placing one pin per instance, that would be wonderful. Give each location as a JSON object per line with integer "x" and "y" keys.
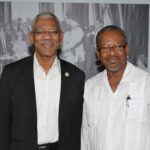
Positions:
{"x": 46, "y": 15}
{"x": 111, "y": 28}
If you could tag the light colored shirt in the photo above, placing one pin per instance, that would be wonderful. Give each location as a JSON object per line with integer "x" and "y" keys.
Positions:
{"x": 117, "y": 120}
{"x": 47, "y": 89}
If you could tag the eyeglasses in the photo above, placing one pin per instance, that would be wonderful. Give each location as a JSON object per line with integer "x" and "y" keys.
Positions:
{"x": 116, "y": 48}
{"x": 49, "y": 32}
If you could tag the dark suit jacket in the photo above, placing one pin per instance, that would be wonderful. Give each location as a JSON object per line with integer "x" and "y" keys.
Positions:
{"x": 18, "y": 117}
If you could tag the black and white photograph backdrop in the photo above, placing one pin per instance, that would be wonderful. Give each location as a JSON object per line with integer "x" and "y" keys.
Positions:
{"x": 80, "y": 22}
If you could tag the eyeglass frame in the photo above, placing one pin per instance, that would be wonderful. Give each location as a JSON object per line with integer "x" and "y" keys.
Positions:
{"x": 51, "y": 32}
{"x": 116, "y": 48}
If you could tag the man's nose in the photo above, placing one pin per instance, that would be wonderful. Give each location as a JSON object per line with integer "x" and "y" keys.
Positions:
{"x": 47, "y": 35}
{"x": 112, "y": 50}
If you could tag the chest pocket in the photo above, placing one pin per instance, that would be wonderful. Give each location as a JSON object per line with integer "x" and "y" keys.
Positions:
{"x": 137, "y": 105}
{"x": 136, "y": 111}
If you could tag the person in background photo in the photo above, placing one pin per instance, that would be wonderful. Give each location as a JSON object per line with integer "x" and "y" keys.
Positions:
{"x": 116, "y": 112}
{"x": 72, "y": 47}
{"x": 41, "y": 96}
{"x": 3, "y": 48}
{"x": 20, "y": 47}
{"x": 29, "y": 23}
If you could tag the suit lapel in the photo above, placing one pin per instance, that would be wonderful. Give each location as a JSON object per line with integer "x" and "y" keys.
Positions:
{"x": 29, "y": 85}
{"x": 65, "y": 81}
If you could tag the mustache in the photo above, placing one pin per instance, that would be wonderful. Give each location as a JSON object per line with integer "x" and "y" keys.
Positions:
{"x": 47, "y": 42}
{"x": 113, "y": 58}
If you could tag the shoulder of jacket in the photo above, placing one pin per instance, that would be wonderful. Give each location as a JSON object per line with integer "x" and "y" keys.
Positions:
{"x": 70, "y": 67}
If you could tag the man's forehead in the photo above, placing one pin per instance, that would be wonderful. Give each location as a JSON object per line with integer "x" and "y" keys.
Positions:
{"x": 110, "y": 38}
{"x": 110, "y": 35}
{"x": 44, "y": 23}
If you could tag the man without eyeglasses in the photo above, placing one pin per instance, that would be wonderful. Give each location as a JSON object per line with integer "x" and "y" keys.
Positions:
{"x": 116, "y": 113}
{"x": 41, "y": 96}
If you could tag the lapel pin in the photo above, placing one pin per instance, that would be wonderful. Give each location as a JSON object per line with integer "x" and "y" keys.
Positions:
{"x": 67, "y": 74}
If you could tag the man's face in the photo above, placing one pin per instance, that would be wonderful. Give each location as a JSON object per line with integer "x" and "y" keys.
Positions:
{"x": 46, "y": 37}
{"x": 112, "y": 51}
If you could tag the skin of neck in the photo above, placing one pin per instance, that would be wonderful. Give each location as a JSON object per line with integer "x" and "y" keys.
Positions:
{"x": 45, "y": 62}
{"x": 114, "y": 77}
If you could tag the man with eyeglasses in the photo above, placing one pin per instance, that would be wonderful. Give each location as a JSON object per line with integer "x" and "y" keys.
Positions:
{"x": 116, "y": 112}
{"x": 41, "y": 96}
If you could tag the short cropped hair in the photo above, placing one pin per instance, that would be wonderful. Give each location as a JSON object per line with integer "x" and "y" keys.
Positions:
{"x": 111, "y": 28}
{"x": 46, "y": 15}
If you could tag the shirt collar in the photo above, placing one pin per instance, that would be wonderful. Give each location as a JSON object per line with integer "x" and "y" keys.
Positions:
{"x": 125, "y": 74}
{"x": 38, "y": 68}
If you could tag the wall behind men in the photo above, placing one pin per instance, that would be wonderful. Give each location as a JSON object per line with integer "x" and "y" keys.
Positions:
{"x": 80, "y": 21}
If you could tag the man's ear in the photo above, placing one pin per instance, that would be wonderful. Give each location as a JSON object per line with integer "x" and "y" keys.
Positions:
{"x": 127, "y": 49}
{"x": 30, "y": 37}
{"x": 61, "y": 36}
{"x": 98, "y": 53}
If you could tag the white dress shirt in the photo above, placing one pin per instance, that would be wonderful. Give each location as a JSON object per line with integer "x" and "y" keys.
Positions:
{"x": 117, "y": 120}
{"x": 47, "y": 89}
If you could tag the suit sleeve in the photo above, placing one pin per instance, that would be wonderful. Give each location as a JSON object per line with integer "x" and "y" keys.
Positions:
{"x": 4, "y": 110}
{"x": 78, "y": 115}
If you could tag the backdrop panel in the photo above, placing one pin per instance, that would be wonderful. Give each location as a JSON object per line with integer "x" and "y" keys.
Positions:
{"x": 80, "y": 23}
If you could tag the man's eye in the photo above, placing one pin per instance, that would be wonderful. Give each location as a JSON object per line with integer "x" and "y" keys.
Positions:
{"x": 39, "y": 32}
{"x": 104, "y": 48}
{"x": 52, "y": 32}
{"x": 55, "y": 32}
